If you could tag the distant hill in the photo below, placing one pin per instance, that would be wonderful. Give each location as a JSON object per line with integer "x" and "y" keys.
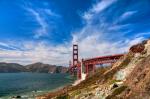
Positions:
{"x": 46, "y": 68}
{"x": 36, "y": 67}
{"x": 11, "y": 67}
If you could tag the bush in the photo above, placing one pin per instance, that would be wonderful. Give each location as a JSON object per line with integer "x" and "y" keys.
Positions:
{"x": 66, "y": 96}
{"x": 117, "y": 91}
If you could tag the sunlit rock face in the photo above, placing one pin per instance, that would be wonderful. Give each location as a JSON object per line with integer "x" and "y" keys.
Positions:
{"x": 138, "y": 48}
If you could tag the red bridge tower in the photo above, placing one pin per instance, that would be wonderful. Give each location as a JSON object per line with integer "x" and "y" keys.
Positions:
{"x": 75, "y": 54}
{"x": 76, "y": 64}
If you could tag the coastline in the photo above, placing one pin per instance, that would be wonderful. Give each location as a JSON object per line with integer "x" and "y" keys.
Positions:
{"x": 32, "y": 93}
{"x": 56, "y": 92}
{"x": 37, "y": 93}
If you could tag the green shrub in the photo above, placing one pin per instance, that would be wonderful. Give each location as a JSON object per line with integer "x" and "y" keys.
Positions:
{"x": 117, "y": 91}
{"x": 66, "y": 96}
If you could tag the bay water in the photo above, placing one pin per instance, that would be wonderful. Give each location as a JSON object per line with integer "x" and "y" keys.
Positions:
{"x": 29, "y": 85}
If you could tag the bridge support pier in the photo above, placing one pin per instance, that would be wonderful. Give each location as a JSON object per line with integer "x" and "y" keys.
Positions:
{"x": 83, "y": 71}
{"x": 90, "y": 68}
{"x": 79, "y": 70}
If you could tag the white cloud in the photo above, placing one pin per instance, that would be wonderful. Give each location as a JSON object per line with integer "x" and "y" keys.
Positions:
{"x": 44, "y": 26}
{"x": 143, "y": 34}
{"x": 90, "y": 46}
{"x": 127, "y": 15}
{"x": 2, "y": 44}
{"x": 118, "y": 27}
{"x": 37, "y": 52}
{"x": 51, "y": 13}
{"x": 102, "y": 5}
{"x": 135, "y": 41}
{"x": 92, "y": 41}
{"x": 93, "y": 46}
{"x": 98, "y": 8}
{"x": 40, "y": 15}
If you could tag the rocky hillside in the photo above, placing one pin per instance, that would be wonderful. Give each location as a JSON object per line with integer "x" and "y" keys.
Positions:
{"x": 138, "y": 81}
{"x": 36, "y": 67}
{"x": 46, "y": 68}
{"x": 129, "y": 78}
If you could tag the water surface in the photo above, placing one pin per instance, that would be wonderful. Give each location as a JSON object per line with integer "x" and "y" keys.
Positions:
{"x": 30, "y": 84}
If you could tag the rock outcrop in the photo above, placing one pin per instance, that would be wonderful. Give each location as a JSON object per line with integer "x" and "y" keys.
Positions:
{"x": 138, "y": 48}
{"x": 138, "y": 81}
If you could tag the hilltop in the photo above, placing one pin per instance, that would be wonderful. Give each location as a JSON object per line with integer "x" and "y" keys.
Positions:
{"x": 36, "y": 68}
{"x": 128, "y": 78}
{"x": 11, "y": 67}
{"x": 46, "y": 68}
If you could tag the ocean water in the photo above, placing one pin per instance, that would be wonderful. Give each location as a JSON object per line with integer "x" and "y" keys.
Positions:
{"x": 29, "y": 85}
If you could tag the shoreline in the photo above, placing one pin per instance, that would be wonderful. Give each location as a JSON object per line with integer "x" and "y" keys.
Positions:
{"x": 36, "y": 93}
{"x": 55, "y": 92}
{"x": 33, "y": 93}
{"x": 58, "y": 91}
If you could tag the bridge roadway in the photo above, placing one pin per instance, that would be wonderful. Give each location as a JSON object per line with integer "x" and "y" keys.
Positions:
{"x": 88, "y": 65}
{"x": 102, "y": 59}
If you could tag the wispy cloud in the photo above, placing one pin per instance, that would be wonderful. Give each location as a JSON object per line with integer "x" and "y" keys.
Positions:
{"x": 143, "y": 34}
{"x": 118, "y": 27}
{"x": 41, "y": 14}
{"x": 89, "y": 47}
{"x": 44, "y": 26}
{"x": 95, "y": 39}
{"x": 37, "y": 52}
{"x": 5, "y": 46}
{"x": 93, "y": 45}
{"x": 127, "y": 15}
{"x": 102, "y": 5}
{"x": 97, "y": 8}
{"x": 51, "y": 13}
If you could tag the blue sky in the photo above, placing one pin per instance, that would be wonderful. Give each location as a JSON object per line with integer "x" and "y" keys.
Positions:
{"x": 44, "y": 30}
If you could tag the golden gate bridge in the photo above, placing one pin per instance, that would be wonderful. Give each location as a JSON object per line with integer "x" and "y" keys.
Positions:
{"x": 86, "y": 66}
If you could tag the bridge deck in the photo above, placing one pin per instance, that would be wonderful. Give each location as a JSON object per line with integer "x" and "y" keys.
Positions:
{"x": 103, "y": 59}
